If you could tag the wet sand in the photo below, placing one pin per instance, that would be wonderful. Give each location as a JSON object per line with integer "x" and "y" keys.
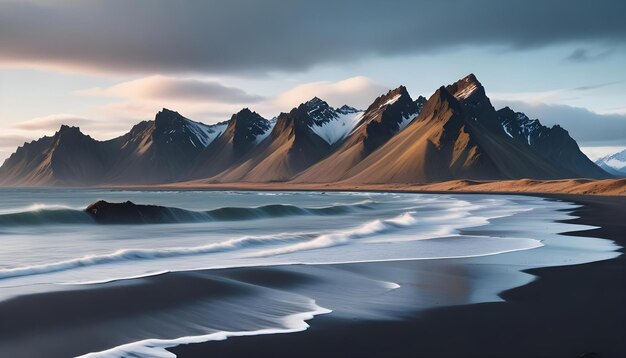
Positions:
{"x": 569, "y": 311}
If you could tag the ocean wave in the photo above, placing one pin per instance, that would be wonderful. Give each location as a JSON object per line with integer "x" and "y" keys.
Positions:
{"x": 147, "y": 254}
{"x": 53, "y": 214}
{"x": 339, "y": 238}
{"x": 295, "y": 242}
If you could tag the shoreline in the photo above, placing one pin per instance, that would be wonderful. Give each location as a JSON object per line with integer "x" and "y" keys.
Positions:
{"x": 50, "y": 318}
{"x": 581, "y": 186}
{"x": 606, "y": 187}
{"x": 567, "y": 311}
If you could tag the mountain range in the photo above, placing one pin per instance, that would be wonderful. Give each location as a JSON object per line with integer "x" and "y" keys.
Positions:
{"x": 455, "y": 134}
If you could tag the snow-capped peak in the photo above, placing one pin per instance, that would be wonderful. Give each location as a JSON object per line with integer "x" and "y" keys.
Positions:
{"x": 330, "y": 124}
{"x": 345, "y": 109}
{"x": 616, "y": 161}
{"x": 319, "y": 110}
{"x": 171, "y": 124}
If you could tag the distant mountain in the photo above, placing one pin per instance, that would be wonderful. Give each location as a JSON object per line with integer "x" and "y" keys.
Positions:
{"x": 298, "y": 140}
{"x": 614, "y": 164}
{"x": 388, "y": 115}
{"x": 152, "y": 152}
{"x": 455, "y": 134}
{"x": 459, "y": 135}
{"x": 69, "y": 157}
{"x": 162, "y": 150}
{"x": 244, "y": 131}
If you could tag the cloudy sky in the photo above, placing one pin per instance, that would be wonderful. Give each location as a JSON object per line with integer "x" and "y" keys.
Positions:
{"x": 106, "y": 64}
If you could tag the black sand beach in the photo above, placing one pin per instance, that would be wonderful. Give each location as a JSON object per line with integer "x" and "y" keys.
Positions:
{"x": 571, "y": 311}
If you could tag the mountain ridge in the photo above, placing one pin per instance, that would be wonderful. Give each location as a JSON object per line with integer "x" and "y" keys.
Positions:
{"x": 454, "y": 134}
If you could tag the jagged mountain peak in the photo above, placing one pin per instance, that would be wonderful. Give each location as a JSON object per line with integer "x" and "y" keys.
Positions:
{"x": 315, "y": 101}
{"x": 388, "y": 115}
{"x": 167, "y": 110}
{"x": 318, "y": 110}
{"x": 345, "y": 109}
{"x": 65, "y": 129}
{"x": 398, "y": 95}
{"x": 441, "y": 99}
{"x": 247, "y": 114}
{"x": 399, "y": 90}
{"x": 170, "y": 124}
{"x": 245, "y": 111}
{"x": 66, "y": 132}
{"x": 168, "y": 117}
{"x": 318, "y": 118}
{"x": 466, "y": 87}
{"x": 455, "y": 133}
{"x": 248, "y": 126}
{"x": 519, "y": 126}
{"x": 421, "y": 100}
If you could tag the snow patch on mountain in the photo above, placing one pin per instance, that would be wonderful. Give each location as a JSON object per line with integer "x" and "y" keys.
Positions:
{"x": 205, "y": 133}
{"x": 259, "y": 138}
{"x": 330, "y": 124}
{"x": 614, "y": 163}
{"x": 522, "y": 127}
{"x": 337, "y": 128}
{"x": 506, "y": 130}
{"x": 392, "y": 100}
{"x": 466, "y": 92}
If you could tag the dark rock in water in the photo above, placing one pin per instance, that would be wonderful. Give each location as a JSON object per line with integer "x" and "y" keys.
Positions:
{"x": 130, "y": 213}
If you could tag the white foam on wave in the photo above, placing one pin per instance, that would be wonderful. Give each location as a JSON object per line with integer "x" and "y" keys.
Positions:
{"x": 157, "y": 348}
{"x": 324, "y": 240}
{"x": 342, "y": 237}
{"x": 458, "y": 215}
{"x": 390, "y": 285}
{"x": 138, "y": 254}
{"x": 37, "y": 207}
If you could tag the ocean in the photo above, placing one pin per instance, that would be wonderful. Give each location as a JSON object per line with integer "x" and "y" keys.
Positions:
{"x": 320, "y": 248}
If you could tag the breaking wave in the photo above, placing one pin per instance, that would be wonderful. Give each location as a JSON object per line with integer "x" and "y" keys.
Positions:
{"x": 339, "y": 238}
{"x": 46, "y": 215}
{"x": 295, "y": 242}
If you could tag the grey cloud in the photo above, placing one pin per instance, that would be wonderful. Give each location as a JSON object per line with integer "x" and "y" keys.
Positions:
{"x": 203, "y": 90}
{"x": 597, "y": 86}
{"x": 251, "y": 35}
{"x": 171, "y": 88}
{"x": 584, "y": 55}
{"x": 52, "y": 122}
{"x": 586, "y": 127}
